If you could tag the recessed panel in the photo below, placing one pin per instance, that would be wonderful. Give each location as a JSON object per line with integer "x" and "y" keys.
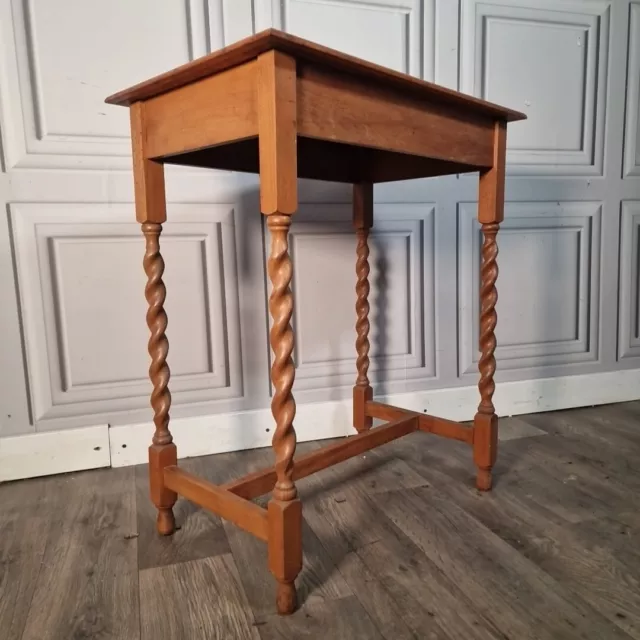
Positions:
{"x": 402, "y": 300}
{"x": 629, "y": 297}
{"x": 101, "y": 314}
{"x": 75, "y": 67}
{"x": 632, "y": 130}
{"x": 82, "y": 288}
{"x": 549, "y": 60}
{"x": 549, "y": 84}
{"x": 324, "y": 285}
{"x": 375, "y": 32}
{"x": 548, "y": 285}
{"x": 539, "y": 293}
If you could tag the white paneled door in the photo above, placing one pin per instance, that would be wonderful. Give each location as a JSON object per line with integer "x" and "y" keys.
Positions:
{"x": 74, "y": 391}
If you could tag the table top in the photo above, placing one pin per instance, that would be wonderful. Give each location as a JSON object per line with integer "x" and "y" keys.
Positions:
{"x": 250, "y": 48}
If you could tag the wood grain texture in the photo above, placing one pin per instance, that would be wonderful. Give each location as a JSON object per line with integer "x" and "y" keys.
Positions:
{"x": 343, "y": 619}
{"x": 259, "y": 482}
{"x": 362, "y": 222}
{"x": 277, "y": 128}
{"x": 162, "y": 451}
{"x": 491, "y": 202}
{"x": 427, "y": 423}
{"x": 325, "y": 160}
{"x": 212, "y": 111}
{"x": 318, "y": 579}
{"x": 87, "y": 586}
{"x": 250, "y": 48}
{"x": 343, "y": 109}
{"x": 568, "y": 554}
{"x": 363, "y": 542}
{"x": 199, "y": 533}
{"x": 148, "y": 176}
{"x": 227, "y": 505}
{"x": 197, "y": 599}
{"x": 283, "y": 406}
{"x": 484, "y": 567}
{"x": 156, "y": 293}
{"x": 490, "y": 214}
{"x": 396, "y": 545}
{"x": 485, "y": 426}
{"x": 22, "y": 550}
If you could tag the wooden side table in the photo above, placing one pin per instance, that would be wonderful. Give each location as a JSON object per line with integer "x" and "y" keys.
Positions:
{"x": 286, "y": 108}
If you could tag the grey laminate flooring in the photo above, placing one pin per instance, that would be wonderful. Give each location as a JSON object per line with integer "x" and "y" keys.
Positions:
{"x": 397, "y": 545}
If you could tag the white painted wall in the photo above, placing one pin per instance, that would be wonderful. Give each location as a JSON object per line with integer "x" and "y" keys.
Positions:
{"x": 73, "y": 351}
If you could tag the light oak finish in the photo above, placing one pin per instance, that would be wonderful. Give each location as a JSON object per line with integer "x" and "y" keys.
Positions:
{"x": 211, "y": 111}
{"x": 260, "y": 482}
{"x": 276, "y": 83}
{"x": 285, "y": 108}
{"x": 162, "y": 451}
{"x": 148, "y": 175}
{"x": 427, "y": 423}
{"x": 250, "y": 48}
{"x": 362, "y": 222}
{"x": 246, "y": 515}
{"x": 343, "y": 109}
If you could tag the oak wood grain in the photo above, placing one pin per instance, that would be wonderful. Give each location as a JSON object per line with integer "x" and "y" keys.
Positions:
{"x": 227, "y": 505}
{"x": 259, "y": 482}
{"x": 212, "y": 111}
{"x": 340, "y": 108}
{"x": 317, "y": 580}
{"x": 278, "y": 131}
{"x": 250, "y": 48}
{"x": 324, "y": 160}
{"x": 148, "y": 175}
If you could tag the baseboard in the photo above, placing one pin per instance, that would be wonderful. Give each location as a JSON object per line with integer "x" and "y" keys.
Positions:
{"x": 230, "y": 431}
{"x": 45, "y": 454}
{"x": 57, "y": 452}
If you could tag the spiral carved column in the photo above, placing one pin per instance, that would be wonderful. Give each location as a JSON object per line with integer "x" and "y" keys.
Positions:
{"x": 485, "y": 422}
{"x": 362, "y": 391}
{"x": 162, "y": 452}
{"x": 285, "y": 509}
{"x": 283, "y": 406}
{"x": 362, "y": 222}
{"x": 362, "y": 307}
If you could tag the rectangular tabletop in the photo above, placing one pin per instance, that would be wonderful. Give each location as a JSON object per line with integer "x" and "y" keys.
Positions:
{"x": 356, "y": 121}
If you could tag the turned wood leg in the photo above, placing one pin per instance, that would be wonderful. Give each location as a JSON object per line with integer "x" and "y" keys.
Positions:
{"x": 162, "y": 452}
{"x": 485, "y": 441}
{"x": 276, "y": 101}
{"x": 490, "y": 214}
{"x": 285, "y": 509}
{"x": 151, "y": 213}
{"x": 362, "y": 222}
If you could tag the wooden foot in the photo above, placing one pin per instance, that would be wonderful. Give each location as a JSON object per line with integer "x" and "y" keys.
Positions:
{"x": 286, "y": 598}
{"x": 165, "y": 522}
{"x": 285, "y": 550}
{"x": 161, "y": 456}
{"x": 485, "y": 423}
{"x": 490, "y": 214}
{"x": 484, "y": 480}
{"x": 485, "y": 448}
{"x": 362, "y": 395}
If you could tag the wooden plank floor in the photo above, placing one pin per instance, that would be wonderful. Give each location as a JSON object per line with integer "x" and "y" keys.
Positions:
{"x": 397, "y": 545}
